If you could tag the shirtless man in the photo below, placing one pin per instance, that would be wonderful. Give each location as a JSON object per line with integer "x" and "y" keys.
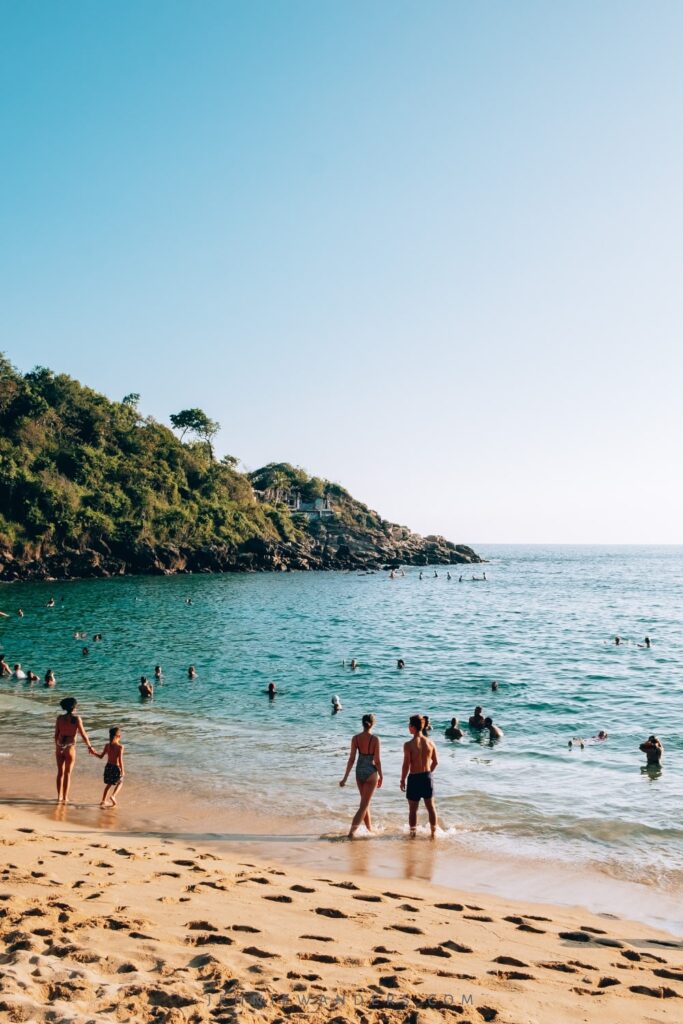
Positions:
{"x": 419, "y": 761}
{"x": 494, "y": 732}
{"x": 454, "y": 732}
{"x": 653, "y": 750}
{"x": 477, "y": 719}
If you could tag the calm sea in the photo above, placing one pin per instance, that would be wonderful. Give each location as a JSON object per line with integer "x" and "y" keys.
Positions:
{"x": 542, "y": 626}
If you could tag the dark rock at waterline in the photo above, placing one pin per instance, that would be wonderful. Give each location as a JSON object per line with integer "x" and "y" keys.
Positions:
{"x": 325, "y": 548}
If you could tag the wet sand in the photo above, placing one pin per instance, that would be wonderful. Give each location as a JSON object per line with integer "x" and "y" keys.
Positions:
{"x": 101, "y": 925}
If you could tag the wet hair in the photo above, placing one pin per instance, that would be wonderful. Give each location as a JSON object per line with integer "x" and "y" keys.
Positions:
{"x": 417, "y": 722}
{"x": 143, "y": 679}
{"x": 454, "y": 722}
{"x": 477, "y": 710}
{"x": 488, "y": 721}
{"x": 68, "y": 704}
{"x": 113, "y": 731}
{"x": 368, "y": 721}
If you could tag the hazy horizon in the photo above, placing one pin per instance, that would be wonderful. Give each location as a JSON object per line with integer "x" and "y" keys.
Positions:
{"x": 431, "y": 253}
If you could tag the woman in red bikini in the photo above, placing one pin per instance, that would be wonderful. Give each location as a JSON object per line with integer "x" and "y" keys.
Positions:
{"x": 67, "y": 728}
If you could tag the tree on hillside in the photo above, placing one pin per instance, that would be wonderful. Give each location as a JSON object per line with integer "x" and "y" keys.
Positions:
{"x": 198, "y": 423}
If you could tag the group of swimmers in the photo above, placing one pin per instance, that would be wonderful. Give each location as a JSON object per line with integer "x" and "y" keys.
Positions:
{"x": 25, "y": 676}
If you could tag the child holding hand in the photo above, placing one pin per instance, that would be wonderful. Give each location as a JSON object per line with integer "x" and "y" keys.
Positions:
{"x": 113, "y": 769}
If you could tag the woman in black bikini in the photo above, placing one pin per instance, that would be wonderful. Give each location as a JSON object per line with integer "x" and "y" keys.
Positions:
{"x": 368, "y": 771}
{"x": 67, "y": 728}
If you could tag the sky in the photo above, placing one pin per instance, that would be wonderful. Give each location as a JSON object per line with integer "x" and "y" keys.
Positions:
{"x": 429, "y": 250}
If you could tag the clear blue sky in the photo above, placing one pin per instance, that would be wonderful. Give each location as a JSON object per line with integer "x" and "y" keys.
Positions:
{"x": 430, "y": 250}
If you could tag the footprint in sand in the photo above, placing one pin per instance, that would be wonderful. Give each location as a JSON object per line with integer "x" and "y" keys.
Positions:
{"x": 317, "y": 938}
{"x": 261, "y": 953}
{"x": 369, "y": 899}
{"x": 246, "y": 928}
{"x": 279, "y": 899}
{"x": 330, "y": 912}
{"x": 305, "y": 888}
{"x": 409, "y": 929}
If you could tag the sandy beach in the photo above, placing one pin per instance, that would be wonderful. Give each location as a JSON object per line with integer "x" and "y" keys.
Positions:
{"x": 108, "y": 926}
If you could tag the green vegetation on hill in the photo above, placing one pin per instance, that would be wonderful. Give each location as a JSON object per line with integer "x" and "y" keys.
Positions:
{"x": 82, "y": 474}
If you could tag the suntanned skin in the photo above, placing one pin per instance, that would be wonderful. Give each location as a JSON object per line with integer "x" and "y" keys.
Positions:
{"x": 364, "y": 743}
{"x": 66, "y": 732}
{"x": 419, "y": 755}
{"x": 114, "y": 754}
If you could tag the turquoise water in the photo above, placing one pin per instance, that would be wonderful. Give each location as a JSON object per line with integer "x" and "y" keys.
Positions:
{"x": 542, "y": 625}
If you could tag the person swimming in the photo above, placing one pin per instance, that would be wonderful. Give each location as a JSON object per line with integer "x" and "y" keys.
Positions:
{"x": 454, "y": 732}
{"x": 477, "y": 719}
{"x": 336, "y": 704}
{"x": 448, "y": 575}
{"x": 646, "y": 643}
{"x": 31, "y": 677}
{"x": 354, "y": 665}
{"x": 272, "y": 691}
{"x": 50, "y": 603}
{"x": 400, "y": 663}
{"x": 20, "y": 613}
{"x": 420, "y": 574}
{"x": 145, "y": 688}
{"x": 494, "y": 685}
{"x": 617, "y": 641}
{"x": 50, "y": 678}
{"x": 419, "y": 761}
{"x": 18, "y": 672}
{"x": 494, "y": 732}
{"x": 158, "y": 674}
{"x": 426, "y": 725}
{"x": 436, "y": 575}
{"x": 579, "y": 740}
{"x": 368, "y": 771}
{"x": 192, "y": 672}
{"x": 85, "y": 651}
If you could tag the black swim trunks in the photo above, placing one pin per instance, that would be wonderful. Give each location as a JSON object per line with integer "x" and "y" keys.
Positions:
{"x": 420, "y": 786}
{"x": 112, "y": 774}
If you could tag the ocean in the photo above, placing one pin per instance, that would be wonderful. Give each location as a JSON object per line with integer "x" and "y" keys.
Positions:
{"x": 215, "y": 750}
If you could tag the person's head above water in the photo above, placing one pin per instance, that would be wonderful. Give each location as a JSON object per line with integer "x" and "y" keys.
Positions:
{"x": 272, "y": 687}
{"x": 494, "y": 685}
{"x": 415, "y": 723}
{"x": 368, "y": 721}
{"x": 488, "y": 721}
{"x": 477, "y": 710}
{"x": 454, "y": 722}
{"x": 400, "y": 663}
{"x": 68, "y": 704}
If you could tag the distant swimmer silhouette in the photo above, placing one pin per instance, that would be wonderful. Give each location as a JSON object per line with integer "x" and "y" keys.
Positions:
{"x": 453, "y": 732}
{"x": 477, "y": 719}
{"x": 192, "y": 672}
{"x": 494, "y": 685}
{"x": 336, "y": 704}
{"x": 272, "y": 691}
{"x": 646, "y": 643}
{"x": 145, "y": 688}
{"x": 400, "y": 663}
{"x": 653, "y": 750}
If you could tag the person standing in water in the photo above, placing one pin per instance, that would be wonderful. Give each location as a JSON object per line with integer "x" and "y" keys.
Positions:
{"x": 67, "y": 728}
{"x": 368, "y": 771}
{"x": 113, "y": 769}
{"x": 419, "y": 761}
{"x": 653, "y": 750}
